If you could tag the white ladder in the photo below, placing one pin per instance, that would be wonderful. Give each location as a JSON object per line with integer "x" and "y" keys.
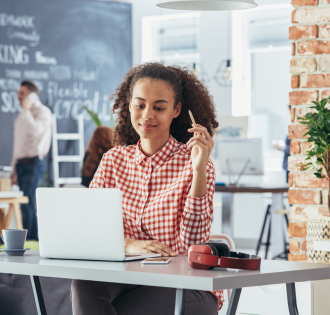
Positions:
{"x": 67, "y": 158}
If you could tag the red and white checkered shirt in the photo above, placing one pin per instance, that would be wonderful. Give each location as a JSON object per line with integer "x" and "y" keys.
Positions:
{"x": 155, "y": 195}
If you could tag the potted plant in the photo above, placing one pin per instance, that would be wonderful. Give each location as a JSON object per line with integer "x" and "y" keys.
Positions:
{"x": 318, "y": 160}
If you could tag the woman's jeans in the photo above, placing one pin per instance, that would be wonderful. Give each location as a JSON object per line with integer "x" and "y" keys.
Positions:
{"x": 28, "y": 177}
{"x": 104, "y": 298}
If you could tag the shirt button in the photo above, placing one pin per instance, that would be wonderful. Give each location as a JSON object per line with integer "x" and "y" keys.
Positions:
{"x": 143, "y": 198}
{"x": 146, "y": 177}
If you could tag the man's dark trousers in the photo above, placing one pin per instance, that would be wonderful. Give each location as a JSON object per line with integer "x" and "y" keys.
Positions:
{"x": 28, "y": 177}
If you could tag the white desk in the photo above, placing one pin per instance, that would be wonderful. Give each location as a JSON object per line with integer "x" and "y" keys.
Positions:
{"x": 177, "y": 274}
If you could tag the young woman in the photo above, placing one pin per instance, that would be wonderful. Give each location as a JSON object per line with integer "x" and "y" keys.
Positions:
{"x": 100, "y": 143}
{"x": 161, "y": 164}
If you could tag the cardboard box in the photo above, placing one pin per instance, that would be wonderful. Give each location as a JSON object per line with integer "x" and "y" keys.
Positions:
{"x": 5, "y": 184}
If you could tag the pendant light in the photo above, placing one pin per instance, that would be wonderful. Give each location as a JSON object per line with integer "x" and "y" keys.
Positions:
{"x": 223, "y": 75}
{"x": 207, "y": 5}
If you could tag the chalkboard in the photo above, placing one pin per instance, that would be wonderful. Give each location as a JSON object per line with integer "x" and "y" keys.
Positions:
{"x": 77, "y": 52}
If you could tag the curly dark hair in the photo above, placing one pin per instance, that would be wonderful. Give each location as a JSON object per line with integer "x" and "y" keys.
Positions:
{"x": 188, "y": 90}
{"x": 100, "y": 143}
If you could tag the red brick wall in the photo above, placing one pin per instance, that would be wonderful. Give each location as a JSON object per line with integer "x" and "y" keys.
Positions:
{"x": 310, "y": 81}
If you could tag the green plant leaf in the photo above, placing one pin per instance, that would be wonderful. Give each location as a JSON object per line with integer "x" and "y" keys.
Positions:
{"x": 324, "y": 102}
{"x": 93, "y": 115}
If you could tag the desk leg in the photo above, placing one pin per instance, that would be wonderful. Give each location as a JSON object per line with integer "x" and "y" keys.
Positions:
{"x": 292, "y": 302}
{"x": 227, "y": 204}
{"x": 37, "y": 292}
{"x": 277, "y": 239}
{"x": 233, "y": 303}
{"x": 180, "y": 301}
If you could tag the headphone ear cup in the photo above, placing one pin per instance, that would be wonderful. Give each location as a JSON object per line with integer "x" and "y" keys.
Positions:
{"x": 202, "y": 249}
{"x": 213, "y": 249}
{"x": 222, "y": 249}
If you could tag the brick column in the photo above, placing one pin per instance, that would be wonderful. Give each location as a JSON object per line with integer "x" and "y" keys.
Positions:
{"x": 310, "y": 81}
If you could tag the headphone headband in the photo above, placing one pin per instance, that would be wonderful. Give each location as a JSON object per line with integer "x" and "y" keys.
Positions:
{"x": 251, "y": 263}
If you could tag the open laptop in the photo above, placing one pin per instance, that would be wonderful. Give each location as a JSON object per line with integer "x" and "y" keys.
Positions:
{"x": 77, "y": 223}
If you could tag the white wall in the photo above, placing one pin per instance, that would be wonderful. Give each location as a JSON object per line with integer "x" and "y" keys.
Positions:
{"x": 271, "y": 84}
{"x": 215, "y": 47}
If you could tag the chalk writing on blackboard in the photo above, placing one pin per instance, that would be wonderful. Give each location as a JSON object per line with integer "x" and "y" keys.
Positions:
{"x": 60, "y": 73}
{"x": 17, "y": 21}
{"x": 14, "y": 54}
{"x": 33, "y": 37}
{"x": 40, "y": 58}
{"x": 76, "y": 52}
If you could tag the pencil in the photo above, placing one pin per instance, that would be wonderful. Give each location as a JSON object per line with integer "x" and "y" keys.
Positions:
{"x": 192, "y": 118}
{"x": 194, "y": 123}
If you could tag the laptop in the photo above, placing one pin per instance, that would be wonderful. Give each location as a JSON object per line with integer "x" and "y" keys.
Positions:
{"x": 77, "y": 223}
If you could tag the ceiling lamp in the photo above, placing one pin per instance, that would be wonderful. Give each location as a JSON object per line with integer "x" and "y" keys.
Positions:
{"x": 207, "y": 5}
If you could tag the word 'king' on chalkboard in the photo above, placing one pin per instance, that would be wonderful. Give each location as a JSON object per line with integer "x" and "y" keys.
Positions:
{"x": 77, "y": 52}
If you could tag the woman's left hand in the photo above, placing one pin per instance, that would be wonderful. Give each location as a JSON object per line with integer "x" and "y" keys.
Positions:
{"x": 202, "y": 145}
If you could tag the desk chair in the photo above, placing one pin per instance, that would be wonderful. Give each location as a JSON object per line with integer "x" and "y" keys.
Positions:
{"x": 230, "y": 243}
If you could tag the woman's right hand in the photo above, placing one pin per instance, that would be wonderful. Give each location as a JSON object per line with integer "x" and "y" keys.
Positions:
{"x": 149, "y": 246}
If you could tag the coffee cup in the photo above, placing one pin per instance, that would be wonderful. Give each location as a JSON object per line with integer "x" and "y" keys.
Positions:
{"x": 14, "y": 238}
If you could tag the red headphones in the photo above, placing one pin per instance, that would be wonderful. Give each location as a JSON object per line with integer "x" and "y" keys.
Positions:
{"x": 210, "y": 255}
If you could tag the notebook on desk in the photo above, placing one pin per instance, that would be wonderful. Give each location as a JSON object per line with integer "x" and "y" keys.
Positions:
{"x": 85, "y": 224}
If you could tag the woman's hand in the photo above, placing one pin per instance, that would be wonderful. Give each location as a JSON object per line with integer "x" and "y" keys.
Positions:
{"x": 202, "y": 145}
{"x": 149, "y": 246}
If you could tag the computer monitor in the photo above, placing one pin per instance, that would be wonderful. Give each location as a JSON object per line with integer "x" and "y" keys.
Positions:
{"x": 240, "y": 157}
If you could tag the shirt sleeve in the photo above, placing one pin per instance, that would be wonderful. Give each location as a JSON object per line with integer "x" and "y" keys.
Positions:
{"x": 37, "y": 124}
{"x": 104, "y": 177}
{"x": 195, "y": 225}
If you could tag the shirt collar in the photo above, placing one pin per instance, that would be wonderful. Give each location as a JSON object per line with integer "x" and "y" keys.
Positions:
{"x": 158, "y": 159}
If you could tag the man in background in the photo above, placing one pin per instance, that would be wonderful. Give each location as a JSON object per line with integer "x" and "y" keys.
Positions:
{"x": 286, "y": 149}
{"x": 32, "y": 138}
